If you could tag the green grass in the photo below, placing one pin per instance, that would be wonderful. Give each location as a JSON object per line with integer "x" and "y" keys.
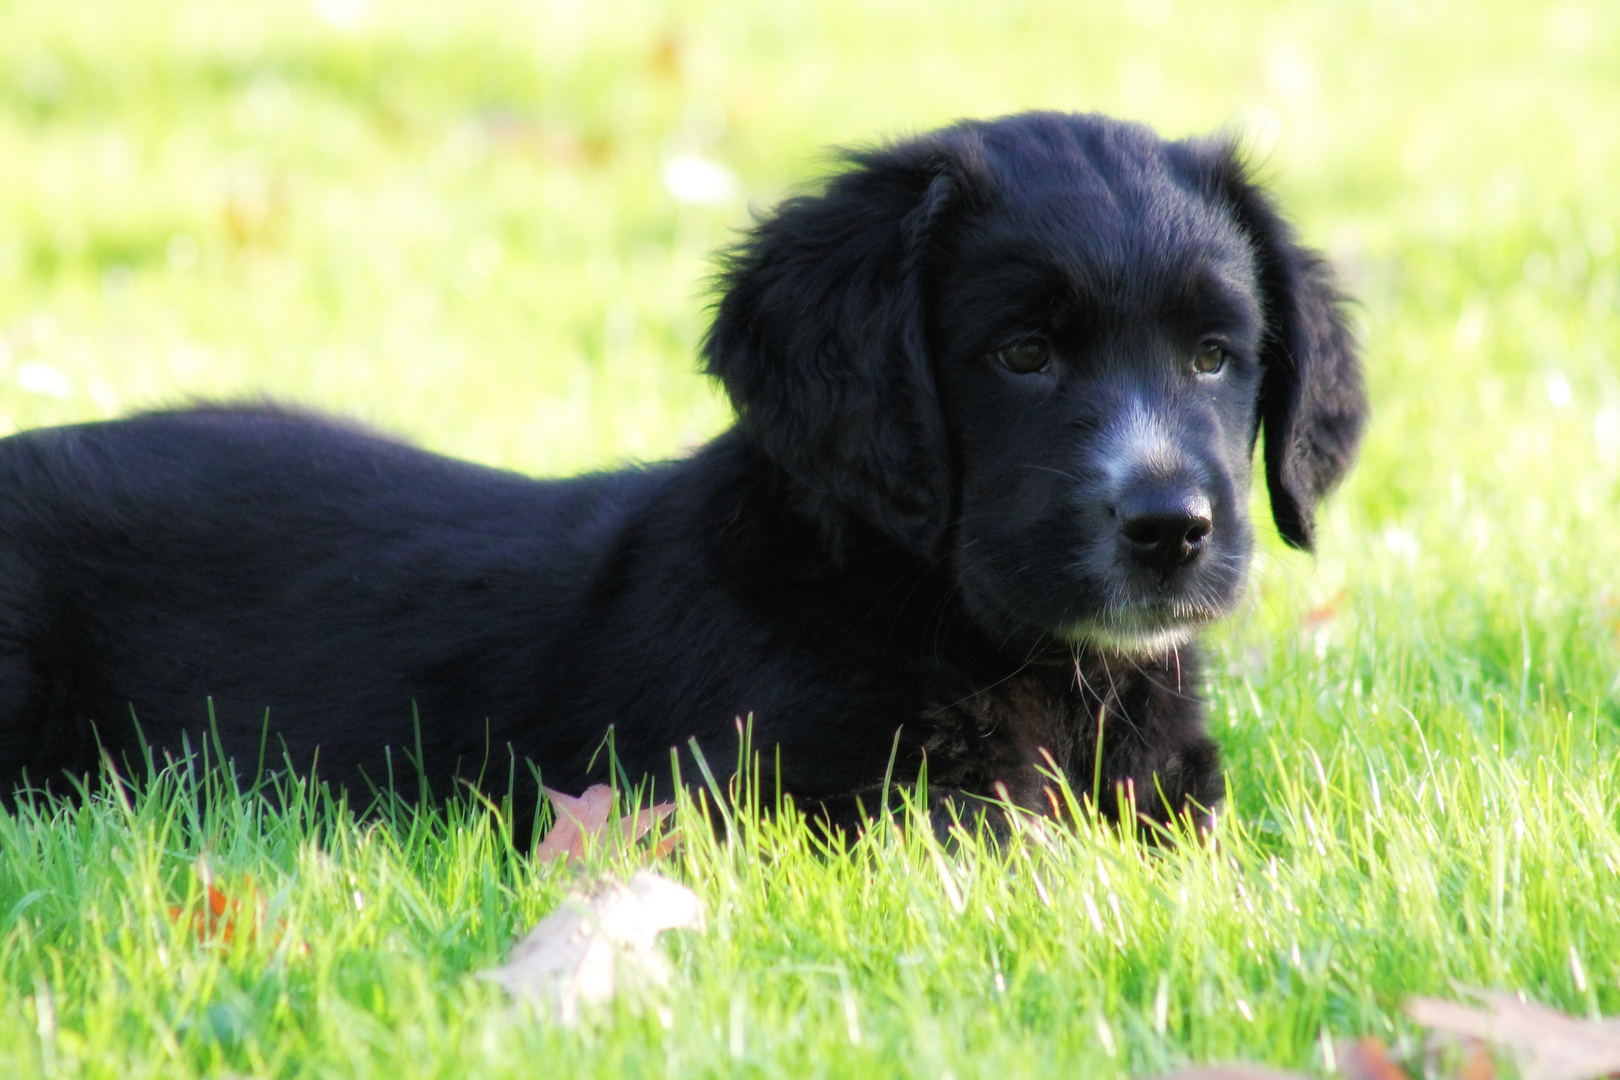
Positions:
{"x": 447, "y": 219}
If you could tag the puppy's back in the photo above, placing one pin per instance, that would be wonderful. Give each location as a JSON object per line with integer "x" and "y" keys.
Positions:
{"x": 181, "y": 568}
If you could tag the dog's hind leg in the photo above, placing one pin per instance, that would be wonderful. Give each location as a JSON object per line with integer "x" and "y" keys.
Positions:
{"x": 22, "y": 722}
{"x": 43, "y": 738}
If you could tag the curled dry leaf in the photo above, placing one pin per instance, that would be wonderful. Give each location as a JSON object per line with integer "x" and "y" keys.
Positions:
{"x": 591, "y": 814}
{"x": 598, "y": 943}
{"x": 1550, "y": 1045}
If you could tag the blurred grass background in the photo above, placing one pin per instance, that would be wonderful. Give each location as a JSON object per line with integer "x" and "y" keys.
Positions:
{"x": 451, "y": 219}
{"x": 486, "y": 225}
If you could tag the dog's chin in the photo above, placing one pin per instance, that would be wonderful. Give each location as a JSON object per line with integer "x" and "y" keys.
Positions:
{"x": 1132, "y": 644}
{"x": 1141, "y": 628}
{"x": 1136, "y": 634}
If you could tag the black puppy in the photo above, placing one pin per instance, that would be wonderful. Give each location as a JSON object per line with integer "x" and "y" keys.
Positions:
{"x": 999, "y": 389}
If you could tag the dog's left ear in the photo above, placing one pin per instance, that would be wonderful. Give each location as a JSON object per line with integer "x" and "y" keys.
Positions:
{"x": 1313, "y": 399}
{"x": 821, "y": 342}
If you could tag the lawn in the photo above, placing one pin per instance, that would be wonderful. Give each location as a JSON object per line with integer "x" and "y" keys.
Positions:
{"x": 456, "y": 221}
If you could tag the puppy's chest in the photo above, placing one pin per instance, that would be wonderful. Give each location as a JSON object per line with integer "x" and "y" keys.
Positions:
{"x": 1011, "y": 733}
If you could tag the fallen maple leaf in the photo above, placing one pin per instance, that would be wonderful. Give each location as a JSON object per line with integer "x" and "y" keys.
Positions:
{"x": 599, "y": 942}
{"x": 590, "y": 814}
{"x": 1550, "y": 1045}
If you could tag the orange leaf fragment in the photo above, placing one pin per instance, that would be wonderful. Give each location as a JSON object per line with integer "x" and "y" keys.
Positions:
{"x": 1324, "y": 613}
{"x": 1477, "y": 1066}
{"x": 225, "y": 917}
{"x": 591, "y": 815}
{"x": 222, "y": 915}
{"x": 1367, "y": 1059}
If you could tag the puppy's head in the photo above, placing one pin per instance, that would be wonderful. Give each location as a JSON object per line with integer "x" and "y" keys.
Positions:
{"x": 1043, "y": 348}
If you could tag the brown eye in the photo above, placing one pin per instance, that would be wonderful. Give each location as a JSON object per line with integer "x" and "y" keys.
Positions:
{"x": 1025, "y": 358}
{"x": 1209, "y": 358}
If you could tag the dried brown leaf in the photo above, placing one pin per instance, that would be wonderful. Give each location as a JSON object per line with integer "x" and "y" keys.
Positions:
{"x": 1550, "y": 1045}
{"x": 591, "y": 815}
{"x": 641, "y": 821}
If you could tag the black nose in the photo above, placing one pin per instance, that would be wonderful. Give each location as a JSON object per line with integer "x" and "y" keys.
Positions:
{"x": 1164, "y": 527}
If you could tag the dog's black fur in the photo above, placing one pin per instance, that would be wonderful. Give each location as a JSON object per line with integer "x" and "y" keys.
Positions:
{"x": 999, "y": 389}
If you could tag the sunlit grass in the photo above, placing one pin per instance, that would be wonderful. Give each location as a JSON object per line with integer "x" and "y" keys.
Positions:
{"x": 1385, "y": 861}
{"x": 451, "y": 220}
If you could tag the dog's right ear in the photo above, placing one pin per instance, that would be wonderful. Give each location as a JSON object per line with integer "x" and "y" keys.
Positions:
{"x": 820, "y": 340}
{"x": 1313, "y": 398}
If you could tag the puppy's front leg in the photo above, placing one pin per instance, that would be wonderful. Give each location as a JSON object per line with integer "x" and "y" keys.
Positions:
{"x": 1158, "y": 786}
{"x": 946, "y": 809}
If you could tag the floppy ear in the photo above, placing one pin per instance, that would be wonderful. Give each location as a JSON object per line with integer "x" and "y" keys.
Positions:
{"x": 1313, "y": 400}
{"x": 820, "y": 340}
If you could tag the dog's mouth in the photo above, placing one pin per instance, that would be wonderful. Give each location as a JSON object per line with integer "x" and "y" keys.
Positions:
{"x": 1103, "y": 608}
